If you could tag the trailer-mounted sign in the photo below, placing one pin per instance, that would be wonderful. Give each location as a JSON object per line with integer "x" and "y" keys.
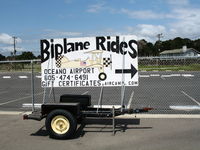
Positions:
{"x": 89, "y": 61}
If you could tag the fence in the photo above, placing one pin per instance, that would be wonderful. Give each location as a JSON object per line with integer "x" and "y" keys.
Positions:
{"x": 20, "y": 82}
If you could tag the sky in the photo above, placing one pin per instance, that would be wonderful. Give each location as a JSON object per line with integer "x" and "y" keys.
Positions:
{"x": 33, "y": 20}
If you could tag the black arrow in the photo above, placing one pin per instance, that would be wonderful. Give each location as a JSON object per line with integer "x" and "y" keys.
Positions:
{"x": 132, "y": 71}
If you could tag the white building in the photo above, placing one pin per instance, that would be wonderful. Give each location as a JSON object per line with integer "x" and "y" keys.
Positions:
{"x": 183, "y": 52}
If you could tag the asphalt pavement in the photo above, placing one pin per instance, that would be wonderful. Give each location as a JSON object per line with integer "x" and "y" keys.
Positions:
{"x": 150, "y": 134}
{"x": 159, "y": 90}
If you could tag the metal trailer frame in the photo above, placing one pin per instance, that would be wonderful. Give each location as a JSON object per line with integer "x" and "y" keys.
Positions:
{"x": 81, "y": 113}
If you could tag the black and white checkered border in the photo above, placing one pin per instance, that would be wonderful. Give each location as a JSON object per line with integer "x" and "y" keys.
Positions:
{"x": 58, "y": 61}
{"x": 107, "y": 62}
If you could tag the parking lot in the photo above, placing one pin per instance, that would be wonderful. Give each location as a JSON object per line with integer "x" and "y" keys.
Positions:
{"x": 159, "y": 90}
{"x": 156, "y": 130}
{"x": 155, "y": 134}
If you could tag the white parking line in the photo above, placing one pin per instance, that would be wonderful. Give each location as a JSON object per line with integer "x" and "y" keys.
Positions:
{"x": 11, "y": 112}
{"x": 23, "y": 77}
{"x": 19, "y": 99}
{"x": 175, "y": 75}
{"x": 85, "y": 93}
{"x": 6, "y": 77}
{"x": 144, "y": 76}
{"x": 187, "y": 75}
{"x": 165, "y": 76}
{"x": 126, "y": 116}
{"x": 162, "y": 78}
{"x": 154, "y": 75}
{"x": 161, "y": 116}
{"x": 38, "y": 76}
{"x": 191, "y": 98}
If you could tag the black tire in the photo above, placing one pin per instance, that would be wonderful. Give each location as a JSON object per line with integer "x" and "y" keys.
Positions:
{"x": 102, "y": 76}
{"x": 60, "y": 124}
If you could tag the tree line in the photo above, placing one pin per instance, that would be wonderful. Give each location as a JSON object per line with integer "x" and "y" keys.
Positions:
{"x": 145, "y": 48}
{"x": 24, "y": 56}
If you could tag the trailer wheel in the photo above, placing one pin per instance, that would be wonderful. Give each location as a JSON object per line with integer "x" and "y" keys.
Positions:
{"x": 102, "y": 76}
{"x": 61, "y": 124}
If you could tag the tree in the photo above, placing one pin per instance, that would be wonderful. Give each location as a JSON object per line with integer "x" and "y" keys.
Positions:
{"x": 2, "y": 57}
{"x": 150, "y": 50}
{"x": 147, "y": 49}
{"x": 196, "y": 44}
{"x": 39, "y": 57}
{"x": 26, "y": 56}
{"x": 141, "y": 47}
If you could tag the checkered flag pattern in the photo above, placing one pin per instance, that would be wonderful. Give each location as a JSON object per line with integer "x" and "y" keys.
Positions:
{"x": 107, "y": 62}
{"x": 58, "y": 61}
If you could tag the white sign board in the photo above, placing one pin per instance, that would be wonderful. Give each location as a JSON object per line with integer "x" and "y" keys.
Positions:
{"x": 89, "y": 61}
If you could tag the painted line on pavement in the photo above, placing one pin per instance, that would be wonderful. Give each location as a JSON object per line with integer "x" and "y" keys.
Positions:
{"x": 165, "y": 76}
{"x": 191, "y": 98}
{"x": 11, "y": 112}
{"x": 19, "y": 99}
{"x": 23, "y": 77}
{"x": 175, "y": 75}
{"x": 159, "y": 116}
{"x": 126, "y": 116}
{"x": 154, "y": 75}
{"x": 39, "y": 77}
{"x": 144, "y": 76}
{"x": 6, "y": 77}
{"x": 187, "y": 75}
{"x": 85, "y": 93}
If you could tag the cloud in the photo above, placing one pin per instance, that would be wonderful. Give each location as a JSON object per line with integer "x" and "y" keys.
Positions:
{"x": 187, "y": 23}
{"x": 6, "y": 43}
{"x": 147, "y": 31}
{"x": 143, "y": 14}
{"x": 179, "y": 21}
{"x": 7, "y": 39}
{"x": 183, "y": 23}
{"x": 94, "y": 8}
{"x": 10, "y": 49}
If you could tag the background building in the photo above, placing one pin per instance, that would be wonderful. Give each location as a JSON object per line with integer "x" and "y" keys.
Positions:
{"x": 183, "y": 52}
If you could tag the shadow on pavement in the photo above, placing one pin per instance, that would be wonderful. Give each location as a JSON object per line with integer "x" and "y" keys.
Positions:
{"x": 99, "y": 125}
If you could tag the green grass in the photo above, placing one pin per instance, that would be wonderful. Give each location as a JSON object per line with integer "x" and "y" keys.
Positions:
{"x": 19, "y": 67}
{"x": 192, "y": 67}
{"x": 26, "y": 67}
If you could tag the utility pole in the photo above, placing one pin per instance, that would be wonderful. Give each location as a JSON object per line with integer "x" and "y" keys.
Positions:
{"x": 14, "y": 44}
{"x": 159, "y": 36}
